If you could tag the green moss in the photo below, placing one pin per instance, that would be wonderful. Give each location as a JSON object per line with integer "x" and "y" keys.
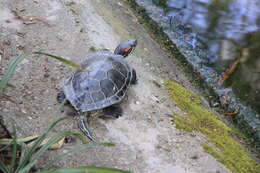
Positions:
{"x": 161, "y": 3}
{"x": 197, "y": 118}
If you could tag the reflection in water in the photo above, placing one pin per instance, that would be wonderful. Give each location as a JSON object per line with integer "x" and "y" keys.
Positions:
{"x": 230, "y": 30}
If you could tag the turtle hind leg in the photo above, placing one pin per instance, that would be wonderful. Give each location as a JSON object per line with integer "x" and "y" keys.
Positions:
{"x": 112, "y": 112}
{"x": 61, "y": 97}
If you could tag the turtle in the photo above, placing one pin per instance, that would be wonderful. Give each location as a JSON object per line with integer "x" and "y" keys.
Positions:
{"x": 102, "y": 87}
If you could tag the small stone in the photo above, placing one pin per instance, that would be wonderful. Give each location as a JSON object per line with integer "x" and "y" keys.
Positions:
{"x": 194, "y": 157}
{"x": 46, "y": 75}
{"x": 23, "y": 111}
{"x": 20, "y": 101}
{"x": 65, "y": 151}
{"x": 137, "y": 102}
{"x": 30, "y": 118}
{"x": 215, "y": 104}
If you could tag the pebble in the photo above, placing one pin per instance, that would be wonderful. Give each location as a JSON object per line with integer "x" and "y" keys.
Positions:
{"x": 65, "y": 151}
{"x": 23, "y": 111}
{"x": 162, "y": 82}
{"x": 20, "y": 101}
{"x": 137, "y": 102}
{"x": 215, "y": 105}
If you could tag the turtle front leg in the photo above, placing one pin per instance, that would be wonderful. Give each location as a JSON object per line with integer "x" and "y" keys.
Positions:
{"x": 83, "y": 126}
{"x": 134, "y": 78}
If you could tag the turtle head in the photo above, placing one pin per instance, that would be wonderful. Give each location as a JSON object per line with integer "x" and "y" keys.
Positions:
{"x": 126, "y": 47}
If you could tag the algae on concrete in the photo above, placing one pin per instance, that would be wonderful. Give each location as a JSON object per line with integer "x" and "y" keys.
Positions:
{"x": 197, "y": 118}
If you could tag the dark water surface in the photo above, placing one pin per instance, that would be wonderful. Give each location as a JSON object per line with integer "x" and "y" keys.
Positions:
{"x": 230, "y": 31}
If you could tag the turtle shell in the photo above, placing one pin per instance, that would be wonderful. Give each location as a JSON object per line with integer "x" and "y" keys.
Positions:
{"x": 105, "y": 84}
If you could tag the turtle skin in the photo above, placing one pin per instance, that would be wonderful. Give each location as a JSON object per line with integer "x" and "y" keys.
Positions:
{"x": 105, "y": 84}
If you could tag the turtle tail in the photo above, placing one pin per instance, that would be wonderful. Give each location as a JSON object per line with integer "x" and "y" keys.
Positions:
{"x": 83, "y": 126}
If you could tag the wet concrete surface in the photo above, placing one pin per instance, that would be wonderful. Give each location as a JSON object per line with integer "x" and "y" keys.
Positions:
{"x": 145, "y": 138}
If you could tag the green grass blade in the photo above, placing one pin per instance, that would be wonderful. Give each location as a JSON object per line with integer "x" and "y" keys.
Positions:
{"x": 73, "y": 150}
{"x": 37, "y": 143}
{"x": 4, "y": 147}
{"x": 4, "y": 168}
{"x": 14, "y": 149}
{"x": 9, "y": 70}
{"x": 19, "y": 141}
{"x": 63, "y": 60}
{"x": 45, "y": 147}
{"x": 24, "y": 150}
{"x": 87, "y": 169}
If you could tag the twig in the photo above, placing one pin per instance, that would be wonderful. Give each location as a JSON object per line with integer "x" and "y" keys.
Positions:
{"x": 232, "y": 113}
{"x": 6, "y": 98}
{"x": 228, "y": 72}
{"x": 31, "y": 19}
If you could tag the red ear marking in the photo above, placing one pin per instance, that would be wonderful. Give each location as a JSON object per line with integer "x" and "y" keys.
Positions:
{"x": 127, "y": 49}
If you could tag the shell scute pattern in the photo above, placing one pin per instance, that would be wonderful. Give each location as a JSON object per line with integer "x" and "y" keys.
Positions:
{"x": 120, "y": 67}
{"x": 116, "y": 77}
{"x": 98, "y": 96}
{"x": 108, "y": 87}
{"x": 105, "y": 84}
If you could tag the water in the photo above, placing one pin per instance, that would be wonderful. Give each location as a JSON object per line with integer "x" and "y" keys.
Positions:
{"x": 230, "y": 31}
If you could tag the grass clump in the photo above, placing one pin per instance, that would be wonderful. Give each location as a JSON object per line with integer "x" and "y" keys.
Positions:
{"x": 197, "y": 118}
{"x": 24, "y": 157}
